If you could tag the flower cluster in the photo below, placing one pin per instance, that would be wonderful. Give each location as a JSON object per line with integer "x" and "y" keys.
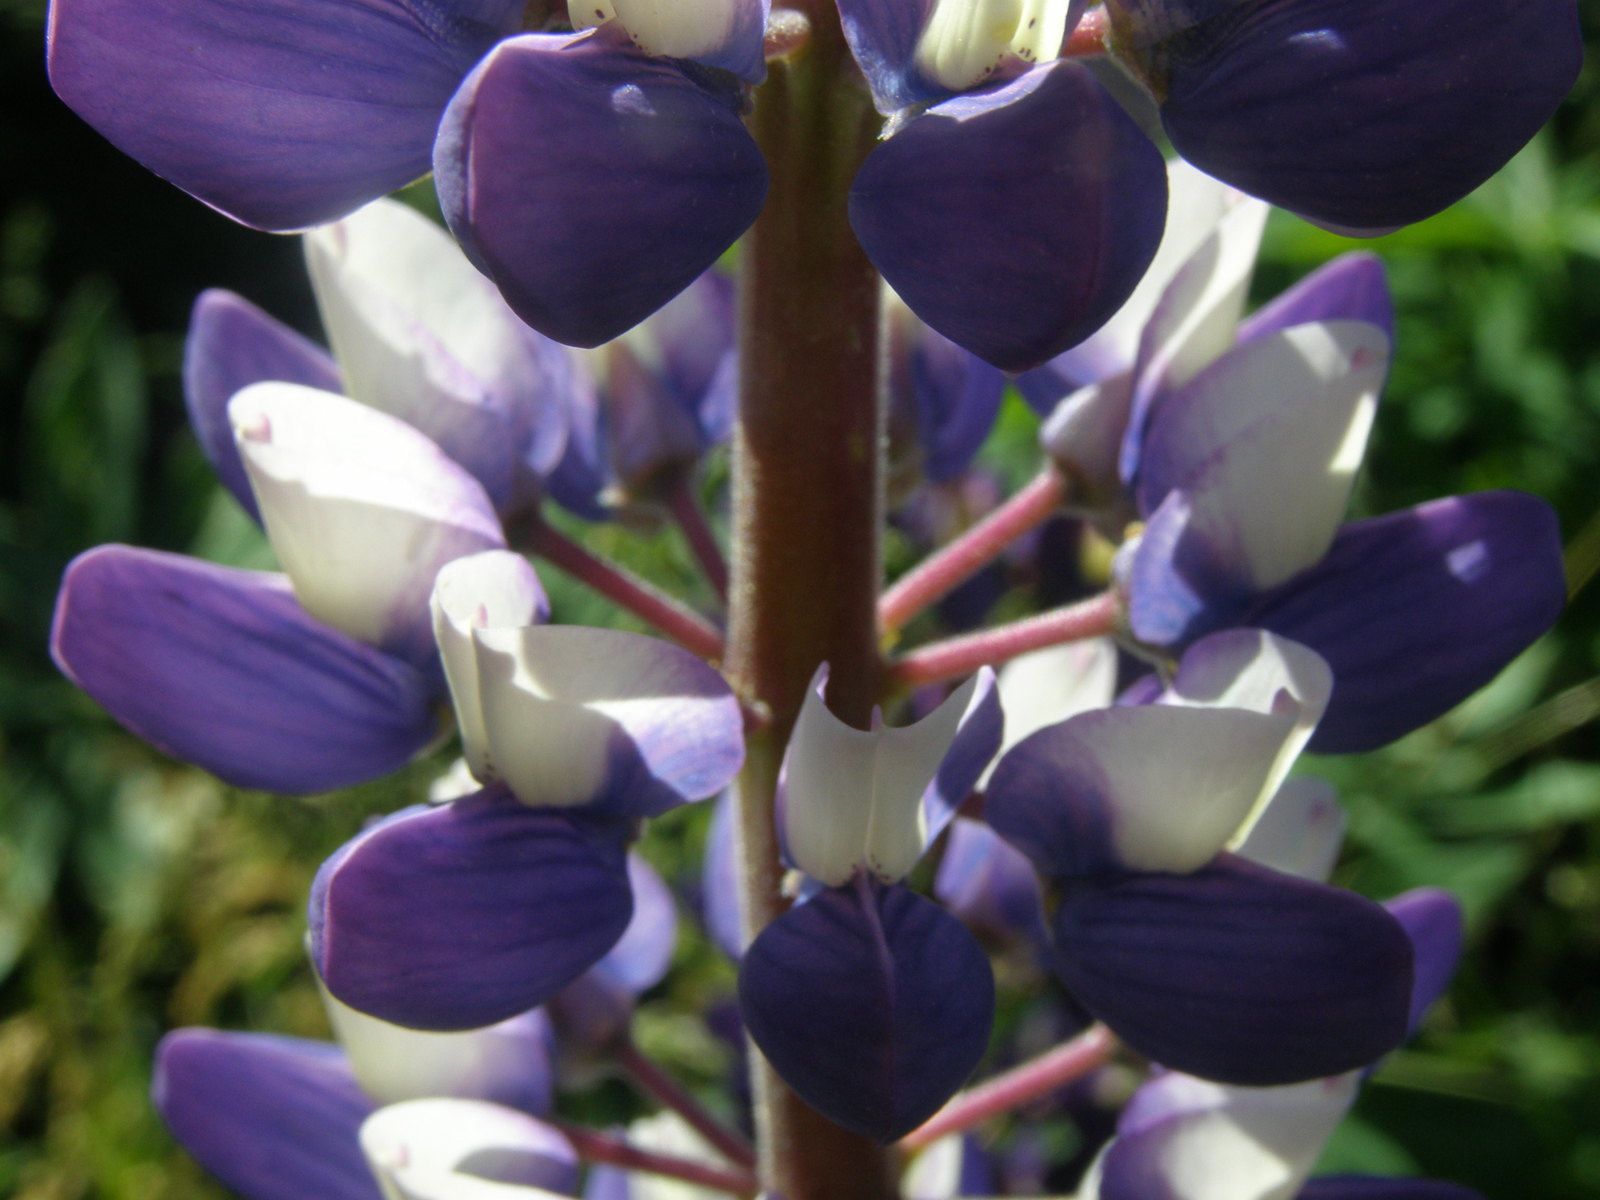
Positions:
{"x": 1122, "y": 805}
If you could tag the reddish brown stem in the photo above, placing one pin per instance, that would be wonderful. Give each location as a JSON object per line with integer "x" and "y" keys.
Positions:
{"x": 690, "y": 630}
{"x": 1029, "y": 1081}
{"x": 955, "y": 657}
{"x": 652, "y": 1080}
{"x": 596, "y": 1147}
{"x": 953, "y": 564}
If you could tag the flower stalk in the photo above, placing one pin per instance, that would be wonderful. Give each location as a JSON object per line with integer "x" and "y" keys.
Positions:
{"x": 952, "y": 658}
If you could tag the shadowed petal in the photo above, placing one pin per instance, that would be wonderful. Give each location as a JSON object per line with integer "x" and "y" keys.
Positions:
{"x": 1014, "y": 220}
{"x": 872, "y": 1003}
{"x": 883, "y": 36}
{"x": 509, "y": 1063}
{"x": 467, "y": 914}
{"x": 222, "y": 668}
{"x": 232, "y": 344}
{"x": 1237, "y": 973}
{"x": 422, "y": 335}
{"x": 274, "y": 1118}
{"x": 279, "y": 113}
{"x": 592, "y": 182}
{"x": 987, "y": 883}
{"x": 1300, "y": 831}
{"x": 1362, "y": 114}
{"x": 1455, "y": 589}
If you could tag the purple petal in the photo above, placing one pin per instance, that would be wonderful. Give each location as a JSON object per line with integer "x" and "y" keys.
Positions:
{"x": 592, "y": 182}
{"x": 464, "y": 915}
{"x": 232, "y": 344}
{"x": 1453, "y": 590}
{"x": 988, "y": 884}
{"x": 1364, "y": 114}
{"x": 1017, "y": 219}
{"x": 596, "y": 1007}
{"x": 279, "y": 113}
{"x": 1237, "y": 973}
{"x": 1432, "y": 920}
{"x": 222, "y": 668}
{"x": 273, "y": 1118}
{"x": 1352, "y": 287}
{"x": 883, "y": 36}
{"x": 872, "y": 1003}
{"x": 583, "y": 473}
{"x": 1177, "y": 584}
{"x": 949, "y": 396}
{"x": 1371, "y": 1187}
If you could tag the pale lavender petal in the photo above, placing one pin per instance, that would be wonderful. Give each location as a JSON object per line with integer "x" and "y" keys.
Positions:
{"x": 883, "y": 36}
{"x": 591, "y": 181}
{"x": 1432, "y": 920}
{"x": 719, "y": 891}
{"x": 464, "y": 915}
{"x": 1011, "y": 260}
{"x": 279, "y": 113}
{"x": 1352, "y": 287}
{"x": 872, "y": 1003}
{"x": 222, "y": 668}
{"x": 274, "y": 1118}
{"x": 232, "y": 344}
{"x": 987, "y": 883}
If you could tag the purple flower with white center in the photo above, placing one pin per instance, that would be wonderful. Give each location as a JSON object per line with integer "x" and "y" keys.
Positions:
{"x": 624, "y": 142}
{"x": 416, "y": 332}
{"x": 873, "y": 1003}
{"x": 1237, "y": 441}
{"x": 1193, "y": 955}
{"x": 319, "y": 677}
{"x": 456, "y": 916}
{"x": 281, "y": 1118}
{"x": 1181, "y": 1138}
{"x": 646, "y": 406}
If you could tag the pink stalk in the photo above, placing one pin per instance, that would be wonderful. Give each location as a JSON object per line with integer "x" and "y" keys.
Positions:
{"x": 955, "y": 657}
{"x": 696, "y": 530}
{"x": 952, "y": 565}
{"x": 690, "y": 630}
{"x": 671, "y": 1094}
{"x": 595, "y": 1147}
{"x": 1087, "y": 1052}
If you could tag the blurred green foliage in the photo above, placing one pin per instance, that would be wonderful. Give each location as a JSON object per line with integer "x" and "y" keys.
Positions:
{"x": 137, "y": 895}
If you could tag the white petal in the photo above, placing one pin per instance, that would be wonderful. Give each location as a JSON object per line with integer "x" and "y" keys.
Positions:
{"x": 1178, "y": 780}
{"x": 493, "y": 590}
{"x": 1197, "y": 314}
{"x": 935, "y": 1173}
{"x": 668, "y": 28}
{"x": 565, "y": 706}
{"x": 964, "y": 40}
{"x": 1256, "y": 1144}
{"x": 1262, "y": 672}
{"x": 1050, "y": 685}
{"x": 668, "y": 1133}
{"x": 1084, "y": 433}
{"x": 1300, "y": 830}
{"x": 1196, "y": 203}
{"x": 456, "y": 1150}
{"x": 361, "y": 509}
{"x": 852, "y": 798}
{"x": 1287, "y": 434}
{"x": 392, "y": 1063}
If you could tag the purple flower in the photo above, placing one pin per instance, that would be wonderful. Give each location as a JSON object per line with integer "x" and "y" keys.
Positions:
{"x": 624, "y": 142}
